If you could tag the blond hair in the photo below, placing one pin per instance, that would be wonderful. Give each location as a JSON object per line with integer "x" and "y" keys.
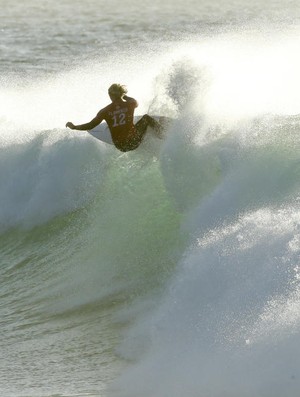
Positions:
{"x": 117, "y": 90}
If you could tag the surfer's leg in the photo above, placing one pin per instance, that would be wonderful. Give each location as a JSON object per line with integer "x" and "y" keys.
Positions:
{"x": 142, "y": 125}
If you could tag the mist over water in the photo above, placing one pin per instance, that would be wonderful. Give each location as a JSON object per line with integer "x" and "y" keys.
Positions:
{"x": 171, "y": 270}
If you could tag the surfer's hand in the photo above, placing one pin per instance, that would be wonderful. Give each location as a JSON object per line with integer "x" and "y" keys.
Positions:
{"x": 70, "y": 125}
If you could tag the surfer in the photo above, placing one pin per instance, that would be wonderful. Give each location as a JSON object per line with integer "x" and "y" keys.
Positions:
{"x": 119, "y": 116}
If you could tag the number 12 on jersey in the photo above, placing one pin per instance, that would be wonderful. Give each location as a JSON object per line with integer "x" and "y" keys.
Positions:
{"x": 119, "y": 119}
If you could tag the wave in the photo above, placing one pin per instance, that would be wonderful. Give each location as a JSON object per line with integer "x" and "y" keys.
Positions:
{"x": 46, "y": 177}
{"x": 227, "y": 321}
{"x": 175, "y": 265}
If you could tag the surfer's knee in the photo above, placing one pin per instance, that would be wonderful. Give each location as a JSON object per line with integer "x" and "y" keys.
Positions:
{"x": 146, "y": 118}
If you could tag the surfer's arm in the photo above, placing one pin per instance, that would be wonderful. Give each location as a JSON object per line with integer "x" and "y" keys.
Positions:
{"x": 87, "y": 126}
{"x": 129, "y": 99}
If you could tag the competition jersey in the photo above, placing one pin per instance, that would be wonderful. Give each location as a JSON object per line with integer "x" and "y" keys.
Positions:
{"x": 119, "y": 117}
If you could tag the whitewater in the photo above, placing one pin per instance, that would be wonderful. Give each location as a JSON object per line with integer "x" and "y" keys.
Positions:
{"x": 172, "y": 270}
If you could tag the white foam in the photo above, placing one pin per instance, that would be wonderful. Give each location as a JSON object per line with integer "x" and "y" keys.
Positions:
{"x": 47, "y": 177}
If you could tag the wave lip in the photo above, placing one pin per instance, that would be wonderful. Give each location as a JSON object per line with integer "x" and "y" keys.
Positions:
{"x": 41, "y": 179}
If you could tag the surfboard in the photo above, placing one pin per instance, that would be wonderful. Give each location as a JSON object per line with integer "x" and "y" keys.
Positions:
{"x": 102, "y": 132}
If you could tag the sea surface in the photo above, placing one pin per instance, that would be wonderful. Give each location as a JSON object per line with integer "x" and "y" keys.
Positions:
{"x": 173, "y": 270}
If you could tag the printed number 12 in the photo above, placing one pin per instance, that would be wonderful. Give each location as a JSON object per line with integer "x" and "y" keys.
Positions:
{"x": 119, "y": 119}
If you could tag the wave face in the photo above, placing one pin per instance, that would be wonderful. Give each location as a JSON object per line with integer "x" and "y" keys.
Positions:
{"x": 227, "y": 321}
{"x": 172, "y": 270}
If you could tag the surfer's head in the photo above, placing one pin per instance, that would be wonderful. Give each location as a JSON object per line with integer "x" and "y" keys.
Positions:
{"x": 116, "y": 91}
